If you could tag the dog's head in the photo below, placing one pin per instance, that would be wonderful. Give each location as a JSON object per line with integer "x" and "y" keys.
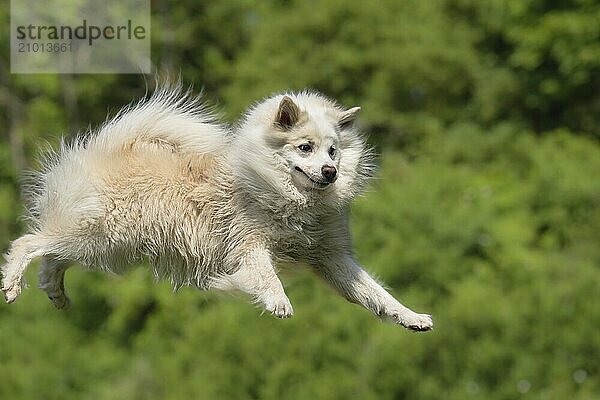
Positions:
{"x": 312, "y": 143}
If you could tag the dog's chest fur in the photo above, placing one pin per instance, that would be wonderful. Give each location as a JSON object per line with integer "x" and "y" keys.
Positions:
{"x": 298, "y": 237}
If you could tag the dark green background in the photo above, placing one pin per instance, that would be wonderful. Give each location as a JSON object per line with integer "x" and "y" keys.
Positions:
{"x": 486, "y": 115}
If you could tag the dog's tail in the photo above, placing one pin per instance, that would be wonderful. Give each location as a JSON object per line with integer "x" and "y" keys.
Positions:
{"x": 171, "y": 117}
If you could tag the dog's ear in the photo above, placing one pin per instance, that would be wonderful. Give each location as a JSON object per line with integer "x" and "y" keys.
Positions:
{"x": 348, "y": 117}
{"x": 288, "y": 113}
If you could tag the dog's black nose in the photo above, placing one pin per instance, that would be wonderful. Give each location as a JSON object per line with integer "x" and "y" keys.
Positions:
{"x": 329, "y": 173}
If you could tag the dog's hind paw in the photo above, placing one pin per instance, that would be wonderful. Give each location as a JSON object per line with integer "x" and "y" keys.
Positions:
{"x": 61, "y": 302}
{"x": 11, "y": 292}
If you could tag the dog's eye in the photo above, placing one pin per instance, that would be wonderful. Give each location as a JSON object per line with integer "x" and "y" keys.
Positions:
{"x": 332, "y": 151}
{"x": 305, "y": 147}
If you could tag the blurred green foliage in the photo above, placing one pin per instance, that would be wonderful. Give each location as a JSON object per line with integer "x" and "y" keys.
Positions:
{"x": 486, "y": 212}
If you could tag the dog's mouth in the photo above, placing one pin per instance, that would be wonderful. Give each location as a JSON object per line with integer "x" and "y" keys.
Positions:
{"x": 319, "y": 184}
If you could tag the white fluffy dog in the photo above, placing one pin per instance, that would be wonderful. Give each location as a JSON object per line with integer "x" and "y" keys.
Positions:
{"x": 208, "y": 207}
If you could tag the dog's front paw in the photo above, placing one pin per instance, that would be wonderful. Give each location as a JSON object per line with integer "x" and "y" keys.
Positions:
{"x": 413, "y": 321}
{"x": 279, "y": 306}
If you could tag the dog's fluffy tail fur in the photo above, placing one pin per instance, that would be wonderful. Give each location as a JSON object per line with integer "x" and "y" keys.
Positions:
{"x": 171, "y": 116}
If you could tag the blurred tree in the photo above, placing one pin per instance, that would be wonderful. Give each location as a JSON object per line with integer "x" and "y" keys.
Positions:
{"x": 546, "y": 60}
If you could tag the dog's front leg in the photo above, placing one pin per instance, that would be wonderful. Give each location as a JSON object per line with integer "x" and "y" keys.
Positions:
{"x": 256, "y": 276}
{"x": 357, "y": 286}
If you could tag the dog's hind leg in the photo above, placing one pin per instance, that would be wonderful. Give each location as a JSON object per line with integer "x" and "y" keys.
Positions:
{"x": 22, "y": 252}
{"x": 52, "y": 281}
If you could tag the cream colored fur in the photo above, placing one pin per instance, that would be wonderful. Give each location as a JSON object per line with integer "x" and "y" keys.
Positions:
{"x": 208, "y": 206}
